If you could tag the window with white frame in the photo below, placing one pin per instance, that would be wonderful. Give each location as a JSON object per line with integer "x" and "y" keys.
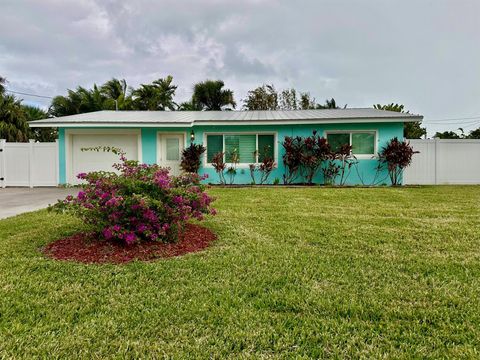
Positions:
{"x": 248, "y": 148}
{"x": 362, "y": 142}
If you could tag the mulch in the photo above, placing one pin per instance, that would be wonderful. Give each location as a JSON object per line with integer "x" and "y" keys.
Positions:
{"x": 85, "y": 248}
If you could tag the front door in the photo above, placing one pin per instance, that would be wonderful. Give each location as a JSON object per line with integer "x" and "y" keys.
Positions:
{"x": 170, "y": 151}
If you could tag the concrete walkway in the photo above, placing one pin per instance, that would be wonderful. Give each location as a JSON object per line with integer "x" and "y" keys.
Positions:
{"x": 14, "y": 201}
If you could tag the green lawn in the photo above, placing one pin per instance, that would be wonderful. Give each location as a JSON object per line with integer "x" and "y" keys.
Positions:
{"x": 299, "y": 272}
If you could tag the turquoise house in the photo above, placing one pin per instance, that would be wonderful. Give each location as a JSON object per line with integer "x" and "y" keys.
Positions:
{"x": 160, "y": 136}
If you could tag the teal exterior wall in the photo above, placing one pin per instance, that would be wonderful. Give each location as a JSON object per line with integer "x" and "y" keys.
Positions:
{"x": 365, "y": 173}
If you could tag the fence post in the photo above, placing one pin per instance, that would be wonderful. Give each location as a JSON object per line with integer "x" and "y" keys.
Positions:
{"x": 31, "y": 142}
{"x": 435, "y": 163}
{"x": 57, "y": 163}
{"x": 3, "y": 176}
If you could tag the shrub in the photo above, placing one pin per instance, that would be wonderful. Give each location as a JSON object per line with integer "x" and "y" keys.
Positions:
{"x": 140, "y": 203}
{"x": 266, "y": 167}
{"x": 232, "y": 169}
{"x": 304, "y": 156}
{"x": 191, "y": 158}
{"x": 330, "y": 172}
{"x": 219, "y": 166}
{"x": 292, "y": 159}
{"x": 315, "y": 150}
{"x": 396, "y": 156}
{"x": 346, "y": 161}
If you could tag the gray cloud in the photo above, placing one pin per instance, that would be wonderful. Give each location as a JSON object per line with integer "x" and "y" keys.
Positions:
{"x": 423, "y": 53}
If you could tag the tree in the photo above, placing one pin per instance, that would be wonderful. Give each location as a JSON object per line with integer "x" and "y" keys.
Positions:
{"x": 39, "y": 134}
{"x": 264, "y": 97}
{"x": 449, "y": 135}
{"x": 115, "y": 92}
{"x": 411, "y": 130}
{"x": 13, "y": 122}
{"x": 307, "y": 102}
{"x": 288, "y": 99}
{"x": 3, "y": 81}
{"x": 210, "y": 95}
{"x": 330, "y": 104}
{"x": 187, "y": 106}
{"x": 156, "y": 96}
{"x": 78, "y": 101}
{"x": 474, "y": 134}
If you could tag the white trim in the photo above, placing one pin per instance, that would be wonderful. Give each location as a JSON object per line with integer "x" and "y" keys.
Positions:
{"x": 241, "y": 165}
{"x": 350, "y": 132}
{"x": 68, "y": 144}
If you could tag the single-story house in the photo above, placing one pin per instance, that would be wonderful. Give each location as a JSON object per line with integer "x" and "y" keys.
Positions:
{"x": 159, "y": 137}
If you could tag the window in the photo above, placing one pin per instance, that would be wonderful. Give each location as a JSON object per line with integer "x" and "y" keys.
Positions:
{"x": 362, "y": 142}
{"x": 248, "y": 148}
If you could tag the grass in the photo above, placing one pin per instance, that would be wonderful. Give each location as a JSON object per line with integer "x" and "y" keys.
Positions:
{"x": 303, "y": 272}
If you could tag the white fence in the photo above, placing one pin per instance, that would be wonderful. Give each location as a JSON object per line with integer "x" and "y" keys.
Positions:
{"x": 28, "y": 164}
{"x": 439, "y": 162}
{"x": 455, "y": 161}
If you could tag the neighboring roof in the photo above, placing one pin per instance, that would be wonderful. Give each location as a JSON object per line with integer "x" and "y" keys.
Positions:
{"x": 190, "y": 118}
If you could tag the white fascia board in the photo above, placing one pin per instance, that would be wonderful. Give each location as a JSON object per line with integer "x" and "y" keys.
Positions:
{"x": 230, "y": 122}
{"x": 110, "y": 125}
{"x": 306, "y": 121}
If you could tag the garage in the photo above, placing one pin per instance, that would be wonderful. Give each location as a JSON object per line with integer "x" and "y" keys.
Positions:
{"x": 86, "y": 161}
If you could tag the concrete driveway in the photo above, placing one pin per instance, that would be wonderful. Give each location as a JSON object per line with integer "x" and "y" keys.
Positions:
{"x": 14, "y": 201}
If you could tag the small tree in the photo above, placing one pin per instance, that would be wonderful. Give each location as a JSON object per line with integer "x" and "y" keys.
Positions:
{"x": 219, "y": 166}
{"x": 315, "y": 150}
{"x": 232, "y": 169}
{"x": 292, "y": 159}
{"x": 347, "y": 160}
{"x": 191, "y": 158}
{"x": 396, "y": 156}
{"x": 266, "y": 167}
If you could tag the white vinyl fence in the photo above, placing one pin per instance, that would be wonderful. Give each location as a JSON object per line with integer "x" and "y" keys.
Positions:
{"x": 444, "y": 161}
{"x": 28, "y": 164}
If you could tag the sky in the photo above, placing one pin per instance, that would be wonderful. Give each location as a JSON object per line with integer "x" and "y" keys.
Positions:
{"x": 423, "y": 54}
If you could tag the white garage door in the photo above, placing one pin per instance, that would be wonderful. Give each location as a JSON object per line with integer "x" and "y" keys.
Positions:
{"x": 86, "y": 161}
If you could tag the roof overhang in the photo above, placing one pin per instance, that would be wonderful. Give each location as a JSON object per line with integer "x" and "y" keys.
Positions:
{"x": 137, "y": 124}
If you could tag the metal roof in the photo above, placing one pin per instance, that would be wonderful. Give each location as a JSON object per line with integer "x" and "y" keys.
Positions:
{"x": 190, "y": 118}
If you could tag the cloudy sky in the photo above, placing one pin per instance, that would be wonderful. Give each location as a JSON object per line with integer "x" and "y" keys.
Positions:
{"x": 424, "y": 54}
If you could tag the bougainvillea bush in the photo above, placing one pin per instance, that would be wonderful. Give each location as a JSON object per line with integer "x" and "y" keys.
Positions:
{"x": 139, "y": 203}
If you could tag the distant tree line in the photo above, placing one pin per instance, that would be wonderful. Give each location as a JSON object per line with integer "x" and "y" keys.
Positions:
{"x": 159, "y": 95}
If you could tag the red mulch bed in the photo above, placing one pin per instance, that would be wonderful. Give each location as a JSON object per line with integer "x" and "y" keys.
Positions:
{"x": 84, "y": 248}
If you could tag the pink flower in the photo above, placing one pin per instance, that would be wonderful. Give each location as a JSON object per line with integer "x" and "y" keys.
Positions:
{"x": 130, "y": 238}
{"x": 107, "y": 233}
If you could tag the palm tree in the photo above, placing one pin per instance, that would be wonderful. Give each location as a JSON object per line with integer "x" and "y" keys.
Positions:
{"x": 187, "y": 106}
{"x": 115, "y": 91}
{"x": 13, "y": 122}
{"x": 39, "y": 134}
{"x": 156, "y": 96}
{"x": 330, "y": 104}
{"x": 78, "y": 101}
{"x": 390, "y": 107}
{"x": 210, "y": 95}
{"x": 3, "y": 82}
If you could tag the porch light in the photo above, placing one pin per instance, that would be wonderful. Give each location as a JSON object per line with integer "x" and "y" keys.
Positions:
{"x": 192, "y": 136}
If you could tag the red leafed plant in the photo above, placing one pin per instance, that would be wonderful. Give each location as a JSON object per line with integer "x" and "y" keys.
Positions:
{"x": 396, "y": 156}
